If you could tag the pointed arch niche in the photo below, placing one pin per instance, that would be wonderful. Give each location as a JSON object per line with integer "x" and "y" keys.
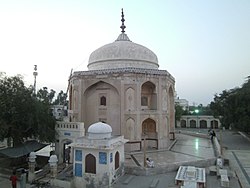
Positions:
{"x": 171, "y": 109}
{"x": 130, "y": 129}
{"x": 164, "y": 100}
{"x": 130, "y": 99}
{"x": 148, "y": 96}
{"x": 149, "y": 133}
{"x": 101, "y": 102}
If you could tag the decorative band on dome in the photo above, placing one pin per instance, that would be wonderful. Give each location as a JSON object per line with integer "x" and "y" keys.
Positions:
{"x": 123, "y": 37}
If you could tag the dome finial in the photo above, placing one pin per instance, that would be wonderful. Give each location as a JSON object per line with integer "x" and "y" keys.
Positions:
{"x": 123, "y": 20}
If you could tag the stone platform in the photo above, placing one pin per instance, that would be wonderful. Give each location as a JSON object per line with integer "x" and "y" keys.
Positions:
{"x": 187, "y": 150}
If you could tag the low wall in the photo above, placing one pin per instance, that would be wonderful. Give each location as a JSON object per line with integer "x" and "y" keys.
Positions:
{"x": 217, "y": 146}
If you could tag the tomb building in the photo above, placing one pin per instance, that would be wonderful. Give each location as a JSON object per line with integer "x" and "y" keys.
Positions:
{"x": 125, "y": 88}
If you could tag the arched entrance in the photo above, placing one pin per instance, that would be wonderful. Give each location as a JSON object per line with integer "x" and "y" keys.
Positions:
{"x": 203, "y": 124}
{"x": 66, "y": 150}
{"x": 214, "y": 124}
{"x": 90, "y": 164}
{"x": 192, "y": 123}
{"x": 149, "y": 133}
{"x": 183, "y": 124}
{"x": 117, "y": 160}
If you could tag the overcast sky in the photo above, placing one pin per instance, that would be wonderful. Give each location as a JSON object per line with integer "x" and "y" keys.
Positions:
{"x": 205, "y": 45}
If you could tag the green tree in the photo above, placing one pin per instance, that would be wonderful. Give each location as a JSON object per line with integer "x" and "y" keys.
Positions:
{"x": 61, "y": 98}
{"x": 234, "y": 107}
{"x": 178, "y": 113}
{"x": 46, "y": 96}
{"x": 45, "y": 121}
{"x": 22, "y": 115}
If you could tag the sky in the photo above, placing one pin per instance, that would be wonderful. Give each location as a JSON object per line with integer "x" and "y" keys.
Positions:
{"x": 204, "y": 45}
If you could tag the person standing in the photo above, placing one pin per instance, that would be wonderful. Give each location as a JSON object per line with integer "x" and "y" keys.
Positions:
{"x": 13, "y": 179}
{"x": 67, "y": 155}
{"x": 23, "y": 179}
{"x": 212, "y": 134}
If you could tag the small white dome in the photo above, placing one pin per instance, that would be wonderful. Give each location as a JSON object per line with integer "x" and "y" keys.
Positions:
{"x": 99, "y": 128}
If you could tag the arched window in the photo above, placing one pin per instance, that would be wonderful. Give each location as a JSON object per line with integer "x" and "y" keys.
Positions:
{"x": 148, "y": 96}
{"x": 117, "y": 160}
{"x": 103, "y": 101}
{"x": 90, "y": 164}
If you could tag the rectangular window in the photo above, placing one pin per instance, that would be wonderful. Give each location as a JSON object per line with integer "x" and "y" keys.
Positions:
{"x": 144, "y": 101}
{"x": 102, "y": 157}
{"x": 78, "y": 155}
{"x": 78, "y": 169}
{"x": 111, "y": 157}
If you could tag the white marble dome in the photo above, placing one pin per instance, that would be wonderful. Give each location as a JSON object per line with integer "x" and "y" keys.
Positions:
{"x": 99, "y": 130}
{"x": 122, "y": 54}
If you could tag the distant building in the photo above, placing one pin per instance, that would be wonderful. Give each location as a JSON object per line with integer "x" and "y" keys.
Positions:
{"x": 199, "y": 121}
{"x": 59, "y": 112}
{"x": 183, "y": 103}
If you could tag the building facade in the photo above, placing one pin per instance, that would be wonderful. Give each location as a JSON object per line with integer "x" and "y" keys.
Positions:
{"x": 183, "y": 103}
{"x": 124, "y": 88}
{"x": 199, "y": 121}
{"x": 67, "y": 133}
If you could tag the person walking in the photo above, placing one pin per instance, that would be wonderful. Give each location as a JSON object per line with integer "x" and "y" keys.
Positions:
{"x": 13, "y": 179}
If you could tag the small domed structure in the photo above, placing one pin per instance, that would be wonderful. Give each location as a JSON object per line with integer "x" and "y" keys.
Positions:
{"x": 99, "y": 130}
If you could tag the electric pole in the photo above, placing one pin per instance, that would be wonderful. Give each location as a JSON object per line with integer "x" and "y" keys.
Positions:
{"x": 35, "y": 73}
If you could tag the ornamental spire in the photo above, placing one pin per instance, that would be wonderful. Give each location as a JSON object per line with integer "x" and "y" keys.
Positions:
{"x": 123, "y": 20}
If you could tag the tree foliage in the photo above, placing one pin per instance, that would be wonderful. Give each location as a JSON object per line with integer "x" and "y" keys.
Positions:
{"x": 61, "y": 98}
{"x": 234, "y": 107}
{"x": 178, "y": 112}
{"x": 22, "y": 114}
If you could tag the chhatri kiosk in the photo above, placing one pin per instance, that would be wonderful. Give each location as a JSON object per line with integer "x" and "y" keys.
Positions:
{"x": 98, "y": 157}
